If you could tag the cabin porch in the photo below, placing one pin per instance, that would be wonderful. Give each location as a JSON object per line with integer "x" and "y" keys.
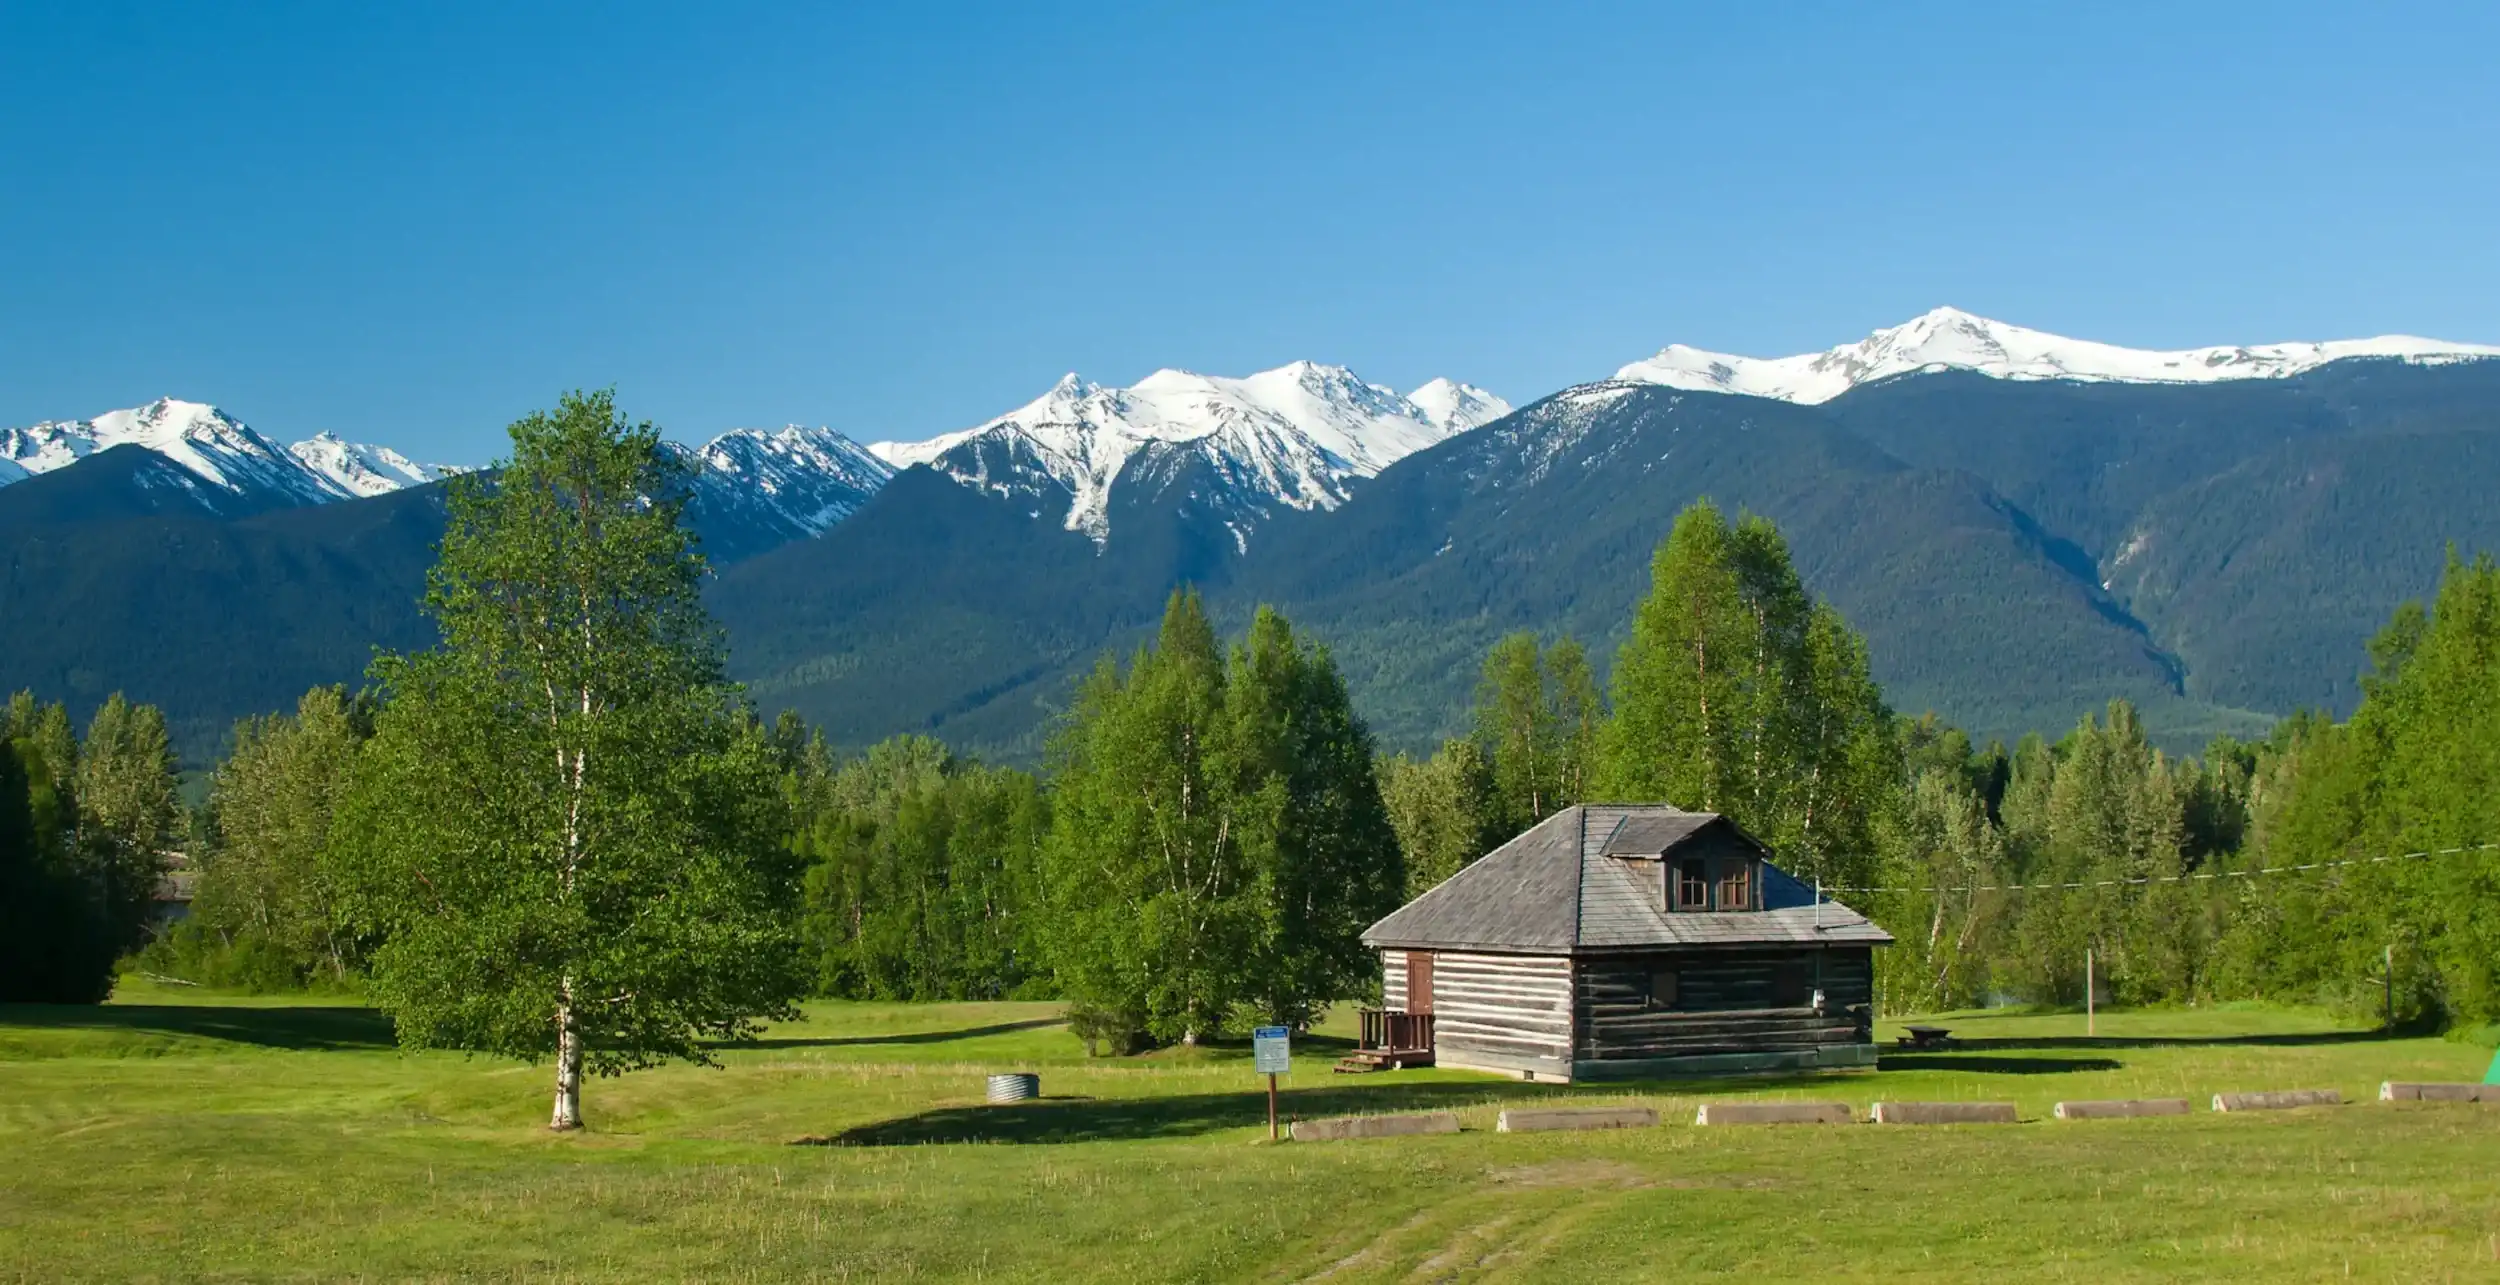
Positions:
{"x": 1388, "y": 1039}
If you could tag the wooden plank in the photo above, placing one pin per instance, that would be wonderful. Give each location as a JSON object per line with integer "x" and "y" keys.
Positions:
{"x": 2280, "y": 1100}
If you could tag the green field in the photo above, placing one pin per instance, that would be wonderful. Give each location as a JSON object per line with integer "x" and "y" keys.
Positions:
{"x": 180, "y": 1136}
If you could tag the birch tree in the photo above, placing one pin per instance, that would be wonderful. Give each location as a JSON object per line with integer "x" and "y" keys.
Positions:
{"x": 1738, "y": 693}
{"x": 565, "y": 829}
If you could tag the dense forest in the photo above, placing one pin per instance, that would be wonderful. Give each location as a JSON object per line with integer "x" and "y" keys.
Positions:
{"x": 1214, "y": 825}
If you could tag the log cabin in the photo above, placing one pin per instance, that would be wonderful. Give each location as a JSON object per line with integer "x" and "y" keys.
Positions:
{"x": 1623, "y": 941}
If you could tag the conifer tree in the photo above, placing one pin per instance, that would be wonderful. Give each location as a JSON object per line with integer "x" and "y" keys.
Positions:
{"x": 129, "y": 811}
{"x": 566, "y": 826}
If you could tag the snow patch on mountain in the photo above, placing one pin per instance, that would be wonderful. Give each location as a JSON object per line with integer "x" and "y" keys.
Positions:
{"x": 1298, "y": 435}
{"x": 210, "y": 444}
{"x": 797, "y": 478}
{"x": 1950, "y": 339}
{"x": 359, "y": 469}
{"x": 1456, "y": 406}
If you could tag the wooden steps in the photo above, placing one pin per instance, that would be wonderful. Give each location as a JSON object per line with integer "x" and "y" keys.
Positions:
{"x": 1365, "y": 1060}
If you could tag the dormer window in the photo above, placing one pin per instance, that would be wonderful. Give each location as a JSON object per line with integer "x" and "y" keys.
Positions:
{"x": 1690, "y": 862}
{"x": 1692, "y": 884}
{"x": 1736, "y": 886}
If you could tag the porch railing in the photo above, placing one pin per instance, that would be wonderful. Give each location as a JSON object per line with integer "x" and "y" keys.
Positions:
{"x": 1393, "y": 1032}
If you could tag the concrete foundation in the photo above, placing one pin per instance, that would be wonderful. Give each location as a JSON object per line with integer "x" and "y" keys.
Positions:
{"x": 2121, "y": 1108}
{"x": 1374, "y": 1126}
{"x": 2398, "y": 1091}
{"x": 1540, "y": 1121}
{"x": 2280, "y": 1100}
{"x": 1945, "y": 1113}
{"x": 1774, "y": 1113}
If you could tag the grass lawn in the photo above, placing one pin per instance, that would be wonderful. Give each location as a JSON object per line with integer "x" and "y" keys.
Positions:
{"x": 178, "y": 1136}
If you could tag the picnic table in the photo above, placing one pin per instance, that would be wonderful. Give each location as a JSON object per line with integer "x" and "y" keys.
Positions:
{"x": 1927, "y": 1037}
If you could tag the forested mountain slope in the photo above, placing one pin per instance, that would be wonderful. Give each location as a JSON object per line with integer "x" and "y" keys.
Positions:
{"x": 208, "y": 618}
{"x": 1547, "y": 519}
{"x": 2016, "y": 551}
{"x": 2261, "y": 531}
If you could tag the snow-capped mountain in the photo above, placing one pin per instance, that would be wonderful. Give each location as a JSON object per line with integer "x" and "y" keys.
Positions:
{"x": 755, "y": 488}
{"x": 1950, "y": 339}
{"x": 1298, "y": 435}
{"x": 220, "y": 450}
{"x": 358, "y": 469}
{"x": 210, "y": 444}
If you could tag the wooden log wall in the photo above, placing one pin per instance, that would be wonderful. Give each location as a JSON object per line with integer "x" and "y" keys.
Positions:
{"x": 1748, "y": 1001}
{"x": 1505, "y": 1012}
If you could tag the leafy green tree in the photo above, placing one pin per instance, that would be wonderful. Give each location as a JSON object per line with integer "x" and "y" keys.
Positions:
{"x": 922, "y": 874}
{"x": 1678, "y": 681}
{"x": 1738, "y": 694}
{"x": 267, "y": 885}
{"x": 1536, "y": 718}
{"x": 130, "y": 817}
{"x": 51, "y": 932}
{"x": 1152, "y": 921}
{"x": 1443, "y": 811}
{"x": 566, "y": 828}
{"x": 1944, "y": 858}
{"x": 1326, "y": 858}
{"x": 78, "y": 878}
{"x": 1218, "y": 839}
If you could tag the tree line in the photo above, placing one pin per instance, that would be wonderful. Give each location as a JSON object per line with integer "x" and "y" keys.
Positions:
{"x": 563, "y": 834}
{"x": 88, "y": 826}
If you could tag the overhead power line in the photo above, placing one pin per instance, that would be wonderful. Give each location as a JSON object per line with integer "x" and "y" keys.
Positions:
{"x": 2185, "y": 878}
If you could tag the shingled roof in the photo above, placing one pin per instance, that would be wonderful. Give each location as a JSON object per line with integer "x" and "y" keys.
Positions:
{"x": 1562, "y": 887}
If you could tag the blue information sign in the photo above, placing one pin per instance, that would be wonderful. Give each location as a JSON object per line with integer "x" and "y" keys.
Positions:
{"x": 1272, "y": 1050}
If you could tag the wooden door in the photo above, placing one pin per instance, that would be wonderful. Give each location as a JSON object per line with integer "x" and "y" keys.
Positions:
{"x": 1419, "y": 981}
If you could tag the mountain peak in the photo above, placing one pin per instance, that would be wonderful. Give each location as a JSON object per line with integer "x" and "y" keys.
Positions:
{"x": 1296, "y": 435}
{"x": 1948, "y": 338}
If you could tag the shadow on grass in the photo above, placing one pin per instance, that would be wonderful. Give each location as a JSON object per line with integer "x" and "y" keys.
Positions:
{"x": 1083, "y": 1119}
{"x": 1987, "y": 1065}
{"x": 281, "y": 1027}
{"x": 1174, "y": 1116}
{"x": 2292, "y": 1040}
{"x": 900, "y": 1037}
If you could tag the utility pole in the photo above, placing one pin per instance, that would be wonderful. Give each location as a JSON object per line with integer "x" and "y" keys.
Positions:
{"x": 2091, "y": 1020}
{"x": 2391, "y": 988}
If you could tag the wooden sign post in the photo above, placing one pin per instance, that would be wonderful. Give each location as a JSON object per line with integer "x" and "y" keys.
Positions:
{"x": 1271, "y": 1051}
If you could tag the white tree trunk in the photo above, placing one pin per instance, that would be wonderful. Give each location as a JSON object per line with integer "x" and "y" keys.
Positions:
{"x": 568, "y": 1112}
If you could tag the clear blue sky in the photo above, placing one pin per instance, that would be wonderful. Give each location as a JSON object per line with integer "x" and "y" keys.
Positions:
{"x": 410, "y": 223}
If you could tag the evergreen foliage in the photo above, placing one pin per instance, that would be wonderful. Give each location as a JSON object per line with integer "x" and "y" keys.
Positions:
{"x": 566, "y": 829}
{"x": 87, "y": 833}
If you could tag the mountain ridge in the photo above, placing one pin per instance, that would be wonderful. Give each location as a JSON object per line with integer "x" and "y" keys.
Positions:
{"x": 1948, "y": 338}
{"x": 1299, "y": 436}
